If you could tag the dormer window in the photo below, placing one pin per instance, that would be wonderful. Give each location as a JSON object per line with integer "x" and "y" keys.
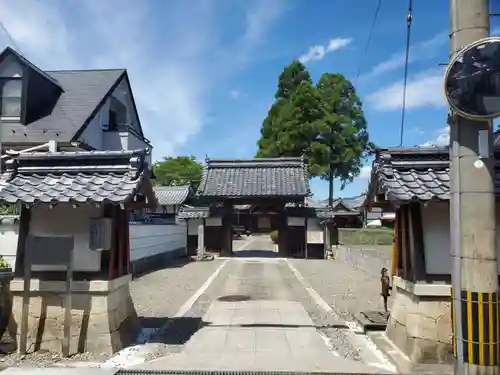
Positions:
{"x": 10, "y": 99}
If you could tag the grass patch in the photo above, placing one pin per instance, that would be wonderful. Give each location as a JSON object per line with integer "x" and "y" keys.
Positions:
{"x": 366, "y": 236}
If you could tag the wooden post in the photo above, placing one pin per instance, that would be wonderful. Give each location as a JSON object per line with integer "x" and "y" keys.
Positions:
{"x": 121, "y": 239}
{"x": 395, "y": 247}
{"x": 306, "y": 253}
{"x": 25, "y": 310}
{"x": 404, "y": 242}
{"x": 186, "y": 248}
{"x": 127, "y": 245}
{"x": 68, "y": 307}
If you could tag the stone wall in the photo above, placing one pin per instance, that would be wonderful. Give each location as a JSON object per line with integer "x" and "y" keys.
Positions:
{"x": 370, "y": 259}
{"x": 420, "y": 325}
{"x": 103, "y": 315}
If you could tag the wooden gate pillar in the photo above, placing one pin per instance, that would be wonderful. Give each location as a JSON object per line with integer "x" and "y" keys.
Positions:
{"x": 283, "y": 249}
{"x": 227, "y": 230}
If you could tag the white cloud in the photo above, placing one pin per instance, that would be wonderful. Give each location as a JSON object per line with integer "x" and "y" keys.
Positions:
{"x": 168, "y": 69}
{"x": 423, "y": 90}
{"x": 318, "y": 52}
{"x": 419, "y": 51}
{"x": 235, "y": 94}
{"x": 442, "y": 138}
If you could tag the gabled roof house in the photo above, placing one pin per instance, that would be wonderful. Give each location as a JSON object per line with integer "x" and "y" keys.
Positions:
{"x": 79, "y": 109}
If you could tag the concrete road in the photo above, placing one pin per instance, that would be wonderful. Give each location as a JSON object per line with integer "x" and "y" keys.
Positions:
{"x": 256, "y": 312}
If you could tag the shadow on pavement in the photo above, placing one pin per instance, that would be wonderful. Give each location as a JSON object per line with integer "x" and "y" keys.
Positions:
{"x": 140, "y": 270}
{"x": 172, "y": 331}
{"x": 255, "y": 254}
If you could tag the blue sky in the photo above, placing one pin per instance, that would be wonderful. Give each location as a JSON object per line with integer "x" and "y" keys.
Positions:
{"x": 204, "y": 72}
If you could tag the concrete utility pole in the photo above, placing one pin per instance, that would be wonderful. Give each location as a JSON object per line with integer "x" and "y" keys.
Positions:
{"x": 473, "y": 227}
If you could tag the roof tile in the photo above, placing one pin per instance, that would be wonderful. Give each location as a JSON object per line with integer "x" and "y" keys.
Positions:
{"x": 266, "y": 177}
{"x": 98, "y": 177}
{"x": 170, "y": 195}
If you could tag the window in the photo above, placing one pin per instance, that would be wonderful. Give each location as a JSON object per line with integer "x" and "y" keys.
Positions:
{"x": 11, "y": 91}
{"x": 113, "y": 123}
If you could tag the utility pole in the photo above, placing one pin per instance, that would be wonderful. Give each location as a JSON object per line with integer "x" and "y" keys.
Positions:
{"x": 472, "y": 224}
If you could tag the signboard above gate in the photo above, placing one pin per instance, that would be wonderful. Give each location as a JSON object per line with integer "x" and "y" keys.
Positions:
{"x": 472, "y": 80}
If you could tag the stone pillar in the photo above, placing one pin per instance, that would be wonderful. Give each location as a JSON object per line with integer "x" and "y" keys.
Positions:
{"x": 420, "y": 321}
{"x": 201, "y": 239}
{"x": 103, "y": 319}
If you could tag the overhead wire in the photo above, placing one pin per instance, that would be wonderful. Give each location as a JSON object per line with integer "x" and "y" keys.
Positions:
{"x": 409, "y": 19}
{"x": 368, "y": 41}
{"x": 9, "y": 36}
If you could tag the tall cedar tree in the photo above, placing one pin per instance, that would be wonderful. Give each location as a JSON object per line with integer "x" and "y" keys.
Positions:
{"x": 179, "y": 170}
{"x": 324, "y": 122}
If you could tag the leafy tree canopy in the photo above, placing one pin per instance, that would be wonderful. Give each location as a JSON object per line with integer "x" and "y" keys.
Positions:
{"x": 323, "y": 122}
{"x": 179, "y": 170}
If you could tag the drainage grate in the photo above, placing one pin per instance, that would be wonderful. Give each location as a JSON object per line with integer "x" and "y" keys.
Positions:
{"x": 222, "y": 372}
{"x": 234, "y": 298}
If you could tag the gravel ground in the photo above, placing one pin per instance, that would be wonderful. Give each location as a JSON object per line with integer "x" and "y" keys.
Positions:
{"x": 348, "y": 287}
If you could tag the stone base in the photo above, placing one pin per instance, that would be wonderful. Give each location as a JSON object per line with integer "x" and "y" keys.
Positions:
{"x": 420, "y": 322}
{"x": 104, "y": 319}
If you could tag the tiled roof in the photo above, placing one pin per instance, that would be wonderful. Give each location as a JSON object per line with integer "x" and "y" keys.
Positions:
{"x": 193, "y": 213}
{"x": 260, "y": 178}
{"x": 411, "y": 174}
{"x": 75, "y": 177}
{"x": 170, "y": 195}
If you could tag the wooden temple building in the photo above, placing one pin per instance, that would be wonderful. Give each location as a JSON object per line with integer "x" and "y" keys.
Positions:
{"x": 415, "y": 182}
{"x": 73, "y": 249}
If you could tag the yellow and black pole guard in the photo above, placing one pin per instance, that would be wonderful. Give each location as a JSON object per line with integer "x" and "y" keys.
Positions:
{"x": 480, "y": 328}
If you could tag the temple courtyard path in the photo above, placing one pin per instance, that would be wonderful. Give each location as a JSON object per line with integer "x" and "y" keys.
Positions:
{"x": 257, "y": 312}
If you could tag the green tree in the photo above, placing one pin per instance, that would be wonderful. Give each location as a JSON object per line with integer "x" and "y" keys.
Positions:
{"x": 291, "y": 77}
{"x": 324, "y": 122}
{"x": 179, "y": 170}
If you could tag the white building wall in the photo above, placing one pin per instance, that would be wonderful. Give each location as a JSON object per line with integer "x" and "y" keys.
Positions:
{"x": 436, "y": 228}
{"x": 9, "y": 67}
{"x": 9, "y": 230}
{"x": 95, "y": 136}
{"x": 54, "y": 222}
{"x": 150, "y": 240}
{"x": 145, "y": 240}
{"x": 314, "y": 231}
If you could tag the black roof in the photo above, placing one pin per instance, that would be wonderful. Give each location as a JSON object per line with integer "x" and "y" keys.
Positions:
{"x": 76, "y": 177}
{"x": 82, "y": 92}
{"x": 255, "y": 178}
{"x": 411, "y": 174}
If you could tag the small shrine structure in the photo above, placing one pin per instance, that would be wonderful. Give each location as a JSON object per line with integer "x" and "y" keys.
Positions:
{"x": 416, "y": 183}
{"x": 71, "y": 291}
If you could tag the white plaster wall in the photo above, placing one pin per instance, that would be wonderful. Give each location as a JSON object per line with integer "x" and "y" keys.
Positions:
{"x": 10, "y": 68}
{"x": 103, "y": 140}
{"x": 9, "y": 235}
{"x": 296, "y": 221}
{"x": 314, "y": 231}
{"x": 62, "y": 221}
{"x": 436, "y": 225}
{"x": 149, "y": 240}
{"x": 193, "y": 226}
{"x": 213, "y": 222}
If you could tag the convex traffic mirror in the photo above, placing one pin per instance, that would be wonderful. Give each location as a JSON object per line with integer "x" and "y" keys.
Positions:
{"x": 472, "y": 80}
